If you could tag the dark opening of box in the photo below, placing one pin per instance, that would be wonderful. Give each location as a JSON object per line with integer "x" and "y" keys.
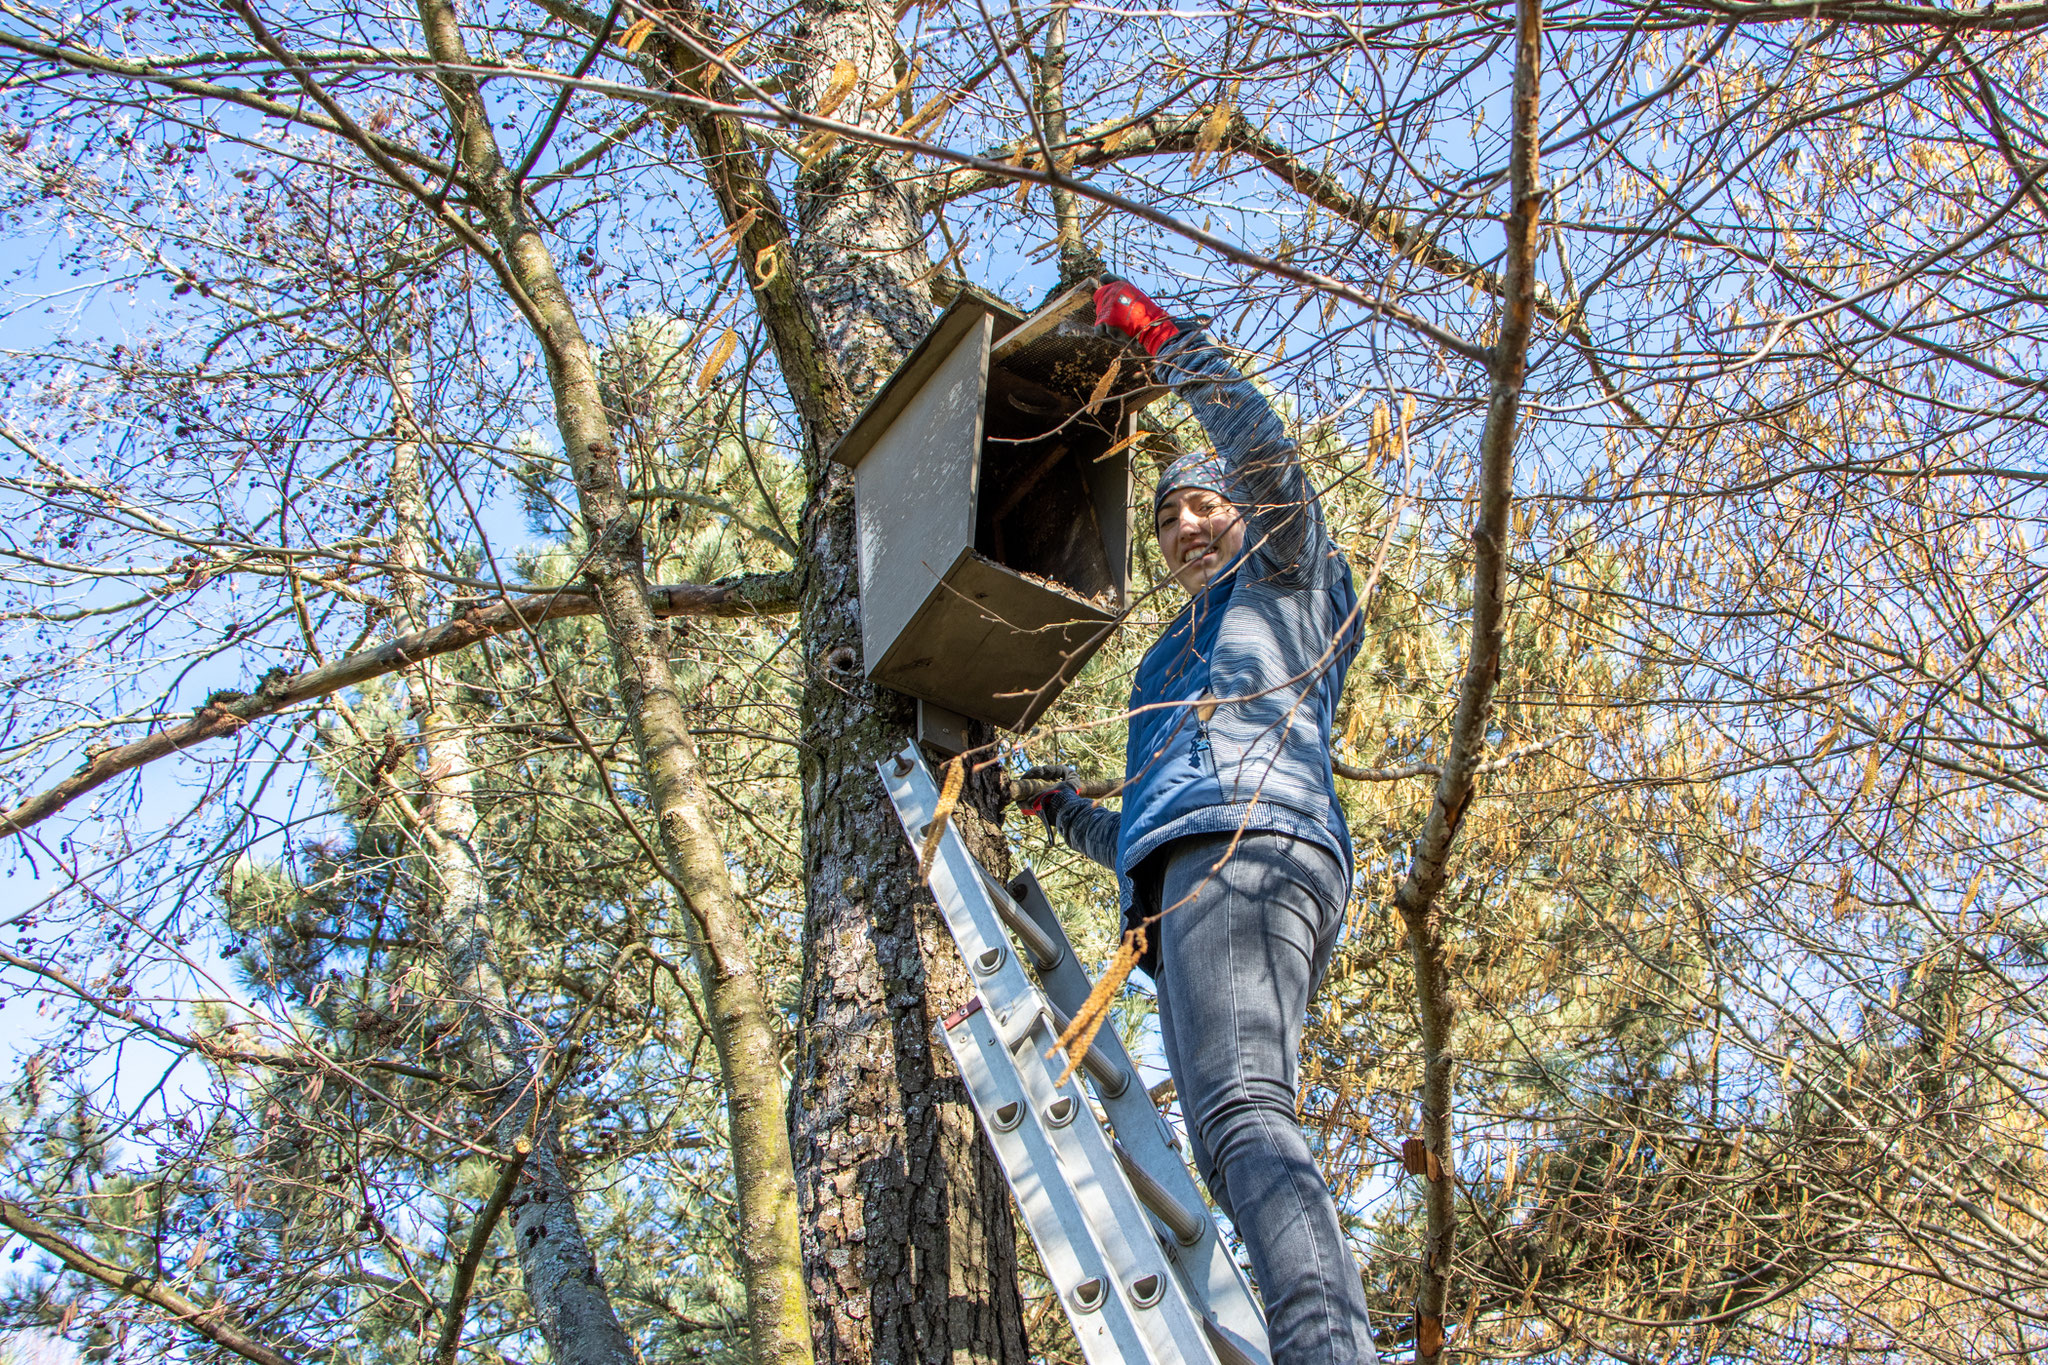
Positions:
{"x": 1035, "y": 511}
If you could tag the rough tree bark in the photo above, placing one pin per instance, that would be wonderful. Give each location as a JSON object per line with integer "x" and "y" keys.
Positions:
{"x": 909, "y": 1241}
{"x": 908, "y": 1236}
{"x": 569, "y": 1302}
{"x": 909, "y": 1247}
{"x": 1417, "y": 896}
{"x": 744, "y": 1031}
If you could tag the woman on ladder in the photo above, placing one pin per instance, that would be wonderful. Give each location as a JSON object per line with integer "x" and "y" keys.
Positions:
{"x": 1231, "y": 851}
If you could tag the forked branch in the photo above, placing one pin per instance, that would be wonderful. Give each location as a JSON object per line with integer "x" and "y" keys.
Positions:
{"x": 213, "y": 1323}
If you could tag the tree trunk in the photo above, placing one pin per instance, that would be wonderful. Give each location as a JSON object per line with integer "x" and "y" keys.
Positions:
{"x": 909, "y": 1244}
{"x": 743, "y": 1030}
{"x": 569, "y": 1302}
{"x": 1078, "y": 261}
{"x": 908, "y": 1237}
{"x": 1417, "y": 898}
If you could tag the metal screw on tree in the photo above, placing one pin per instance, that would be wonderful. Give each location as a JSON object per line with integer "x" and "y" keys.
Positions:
{"x": 1089, "y": 1197}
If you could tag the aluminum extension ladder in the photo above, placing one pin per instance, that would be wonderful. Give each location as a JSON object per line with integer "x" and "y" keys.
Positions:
{"x": 1121, "y": 1229}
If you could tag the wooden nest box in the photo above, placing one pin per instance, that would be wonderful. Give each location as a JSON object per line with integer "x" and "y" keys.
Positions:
{"x": 992, "y": 478}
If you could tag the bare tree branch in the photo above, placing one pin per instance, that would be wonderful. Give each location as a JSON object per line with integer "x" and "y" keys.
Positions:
{"x": 228, "y": 712}
{"x": 1417, "y": 896}
{"x": 209, "y": 1321}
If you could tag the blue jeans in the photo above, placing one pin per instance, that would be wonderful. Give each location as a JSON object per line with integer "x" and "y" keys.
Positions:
{"x": 1243, "y": 945}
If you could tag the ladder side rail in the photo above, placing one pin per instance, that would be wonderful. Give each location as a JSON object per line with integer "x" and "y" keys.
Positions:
{"x": 1174, "y": 1319}
{"x": 1213, "y": 1274}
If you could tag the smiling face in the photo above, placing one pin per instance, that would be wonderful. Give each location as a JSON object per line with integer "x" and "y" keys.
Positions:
{"x": 1199, "y": 532}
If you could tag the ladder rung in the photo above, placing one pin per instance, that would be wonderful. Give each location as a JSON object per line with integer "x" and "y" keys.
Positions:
{"x": 1187, "y": 1224}
{"x": 1045, "y": 954}
{"x": 1109, "y": 1077}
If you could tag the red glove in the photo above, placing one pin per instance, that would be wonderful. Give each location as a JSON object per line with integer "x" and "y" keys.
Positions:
{"x": 1124, "y": 306}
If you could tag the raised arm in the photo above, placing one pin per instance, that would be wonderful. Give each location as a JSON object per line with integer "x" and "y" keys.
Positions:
{"x": 1261, "y": 465}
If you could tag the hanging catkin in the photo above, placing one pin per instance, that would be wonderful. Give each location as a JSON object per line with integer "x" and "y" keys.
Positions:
{"x": 720, "y": 353}
{"x": 949, "y": 797}
{"x": 1080, "y": 1034}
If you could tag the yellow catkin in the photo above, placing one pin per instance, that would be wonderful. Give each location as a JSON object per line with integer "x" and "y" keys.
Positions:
{"x": 1136, "y": 436}
{"x": 720, "y": 353}
{"x": 636, "y": 34}
{"x": 813, "y": 148}
{"x": 890, "y": 95}
{"x": 1352, "y": 727}
{"x": 1210, "y": 135}
{"x": 1100, "y": 395}
{"x": 1970, "y": 894}
{"x": 1088, "y": 1020}
{"x": 844, "y": 75}
{"x": 933, "y": 109}
{"x": 727, "y": 240}
{"x": 949, "y": 797}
